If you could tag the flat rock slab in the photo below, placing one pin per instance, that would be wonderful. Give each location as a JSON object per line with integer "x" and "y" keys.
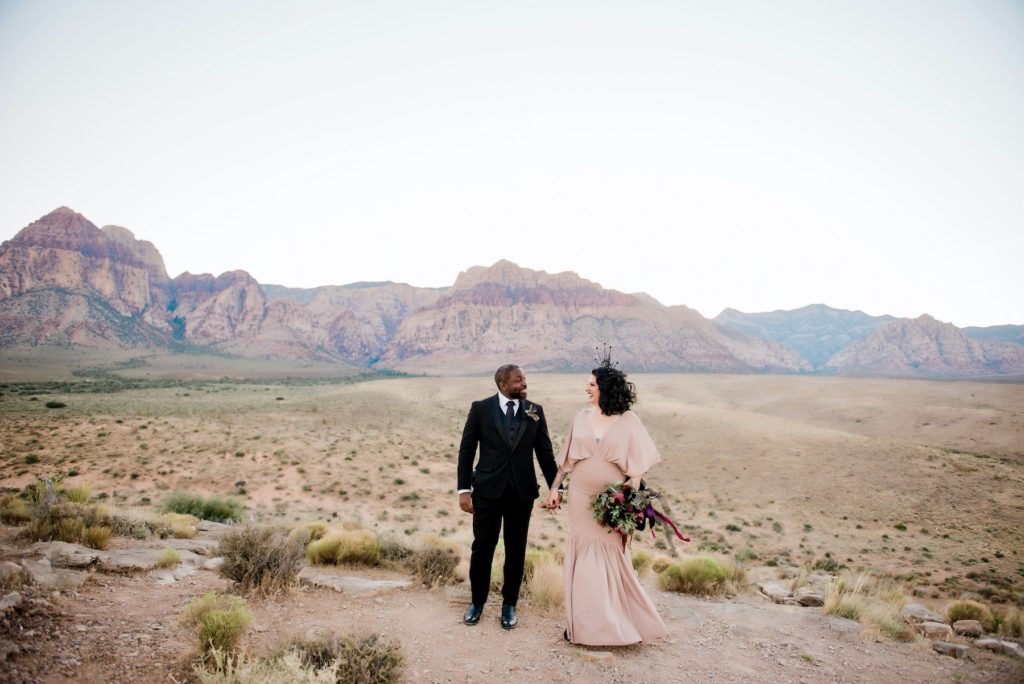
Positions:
{"x": 915, "y": 612}
{"x": 75, "y": 556}
{"x": 843, "y": 625}
{"x": 776, "y": 592}
{"x": 349, "y": 584}
{"x": 810, "y": 596}
{"x": 45, "y": 575}
{"x": 952, "y": 650}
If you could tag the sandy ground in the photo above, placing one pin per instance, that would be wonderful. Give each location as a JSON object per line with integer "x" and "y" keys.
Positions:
{"x": 919, "y": 480}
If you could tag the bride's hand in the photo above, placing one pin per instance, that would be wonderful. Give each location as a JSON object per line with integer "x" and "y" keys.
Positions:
{"x": 554, "y": 500}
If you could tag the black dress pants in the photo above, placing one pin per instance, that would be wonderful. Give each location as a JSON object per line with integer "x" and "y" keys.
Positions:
{"x": 489, "y": 515}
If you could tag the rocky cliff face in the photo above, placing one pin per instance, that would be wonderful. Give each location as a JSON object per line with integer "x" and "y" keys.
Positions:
{"x": 63, "y": 250}
{"x": 924, "y": 346}
{"x": 553, "y": 322}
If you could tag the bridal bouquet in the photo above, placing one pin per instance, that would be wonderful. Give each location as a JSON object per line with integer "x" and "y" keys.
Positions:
{"x": 623, "y": 509}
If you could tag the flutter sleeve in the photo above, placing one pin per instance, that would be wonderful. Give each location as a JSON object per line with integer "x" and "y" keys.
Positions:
{"x": 571, "y": 451}
{"x": 633, "y": 451}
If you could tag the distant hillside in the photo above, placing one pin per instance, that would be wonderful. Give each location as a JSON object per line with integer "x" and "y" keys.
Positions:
{"x": 817, "y": 332}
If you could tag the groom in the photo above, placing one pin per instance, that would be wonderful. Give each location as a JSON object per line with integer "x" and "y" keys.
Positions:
{"x": 509, "y": 430}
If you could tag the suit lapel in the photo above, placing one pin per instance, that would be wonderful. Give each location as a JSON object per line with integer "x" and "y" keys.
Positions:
{"x": 523, "y": 405}
{"x": 499, "y": 421}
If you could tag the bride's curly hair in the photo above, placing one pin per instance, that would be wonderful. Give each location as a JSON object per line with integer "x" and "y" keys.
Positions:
{"x": 617, "y": 393}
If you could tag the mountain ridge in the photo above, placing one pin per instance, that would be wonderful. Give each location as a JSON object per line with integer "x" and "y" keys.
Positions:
{"x": 108, "y": 288}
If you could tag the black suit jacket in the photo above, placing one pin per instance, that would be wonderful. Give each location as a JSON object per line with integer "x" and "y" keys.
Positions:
{"x": 503, "y": 459}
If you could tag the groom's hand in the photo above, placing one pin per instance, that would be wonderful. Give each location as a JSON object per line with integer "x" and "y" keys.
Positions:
{"x": 466, "y": 502}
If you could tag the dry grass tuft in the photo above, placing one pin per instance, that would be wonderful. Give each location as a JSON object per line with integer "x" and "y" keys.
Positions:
{"x": 545, "y": 583}
{"x": 358, "y": 547}
{"x": 965, "y": 609}
{"x": 97, "y": 537}
{"x": 642, "y": 560}
{"x": 362, "y": 658}
{"x": 14, "y": 510}
{"x": 435, "y": 561}
{"x": 1009, "y": 621}
{"x": 702, "y": 576}
{"x": 80, "y": 493}
{"x": 177, "y": 525}
{"x": 310, "y": 531}
{"x": 223, "y": 668}
{"x": 260, "y": 559}
{"x": 168, "y": 558}
{"x": 871, "y": 601}
{"x": 218, "y": 622}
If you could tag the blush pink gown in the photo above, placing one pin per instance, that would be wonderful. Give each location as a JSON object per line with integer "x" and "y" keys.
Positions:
{"x": 604, "y": 602}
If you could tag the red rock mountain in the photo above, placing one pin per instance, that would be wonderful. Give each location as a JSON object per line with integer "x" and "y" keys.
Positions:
{"x": 925, "y": 346}
{"x": 63, "y": 281}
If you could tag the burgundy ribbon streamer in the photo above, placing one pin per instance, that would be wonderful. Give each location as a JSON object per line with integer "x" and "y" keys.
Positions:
{"x": 651, "y": 513}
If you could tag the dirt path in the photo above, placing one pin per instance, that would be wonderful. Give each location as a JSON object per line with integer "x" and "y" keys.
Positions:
{"x": 124, "y": 629}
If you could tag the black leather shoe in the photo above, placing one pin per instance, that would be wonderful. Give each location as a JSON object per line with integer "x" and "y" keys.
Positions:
{"x": 508, "y": 616}
{"x": 472, "y": 615}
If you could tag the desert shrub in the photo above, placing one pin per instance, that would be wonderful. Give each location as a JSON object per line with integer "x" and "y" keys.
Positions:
{"x": 218, "y": 622}
{"x": 168, "y": 558}
{"x": 347, "y": 546}
{"x": 177, "y": 525}
{"x": 641, "y": 560}
{"x": 701, "y": 575}
{"x": 215, "y": 508}
{"x": 1009, "y": 621}
{"x": 223, "y": 668}
{"x": 70, "y": 530}
{"x": 363, "y": 658}
{"x": 435, "y": 562}
{"x": 260, "y": 559}
{"x": 965, "y": 609}
{"x": 545, "y": 584}
{"x": 55, "y": 404}
{"x": 393, "y": 550}
{"x": 308, "y": 532}
{"x": 126, "y": 525}
{"x": 97, "y": 537}
{"x": 659, "y": 563}
{"x": 872, "y": 601}
{"x": 80, "y": 493}
{"x": 14, "y": 510}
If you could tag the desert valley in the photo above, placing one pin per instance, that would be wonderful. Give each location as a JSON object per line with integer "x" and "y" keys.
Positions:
{"x": 855, "y": 482}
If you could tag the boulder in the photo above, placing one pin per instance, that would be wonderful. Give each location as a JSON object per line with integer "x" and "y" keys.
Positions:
{"x": 935, "y": 630}
{"x": 916, "y": 613}
{"x": 64, "y": 555}
{"x": 776, "y": 591}
{"x": 953, "y": 650}
{"x": 810, "y": 596}
{"x": 970, "y": 628}
{"x": 214, "y": 563}
{"x": 994, "y": 645}
{"x": 1012, "y": 649}
{"x": 45, "y": 575}
{"x": 10, "y": 602}
{"x": 9, "y": 570}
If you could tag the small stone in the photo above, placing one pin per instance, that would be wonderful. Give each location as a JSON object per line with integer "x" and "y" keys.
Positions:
{"x": 952, "y": 650}
{"x": 915, "y": 612}
{"x": 935, "y": 630}
{"x": 971, "y": 628}
{"x": 213, "y": 563}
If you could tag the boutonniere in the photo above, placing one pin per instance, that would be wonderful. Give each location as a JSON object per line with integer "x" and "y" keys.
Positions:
{"x": 531, "y": 412}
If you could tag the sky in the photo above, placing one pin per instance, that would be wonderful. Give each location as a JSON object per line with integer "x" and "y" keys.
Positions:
{"x": 756, "y": 155}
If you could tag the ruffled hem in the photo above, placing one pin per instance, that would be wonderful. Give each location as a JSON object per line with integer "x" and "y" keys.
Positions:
{"x": 605, "y": 604}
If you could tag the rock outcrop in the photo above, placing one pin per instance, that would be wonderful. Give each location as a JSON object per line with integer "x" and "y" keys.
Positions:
{"x": 925, "y": 346}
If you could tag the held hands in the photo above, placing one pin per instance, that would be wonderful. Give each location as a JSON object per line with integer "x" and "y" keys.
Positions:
{"x": 554, "y": 500}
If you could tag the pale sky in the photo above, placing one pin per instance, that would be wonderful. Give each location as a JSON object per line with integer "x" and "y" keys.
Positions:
{"x": 756, "y": 155}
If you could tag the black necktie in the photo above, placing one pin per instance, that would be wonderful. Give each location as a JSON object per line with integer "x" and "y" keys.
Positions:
{"x": 510, "y": 413}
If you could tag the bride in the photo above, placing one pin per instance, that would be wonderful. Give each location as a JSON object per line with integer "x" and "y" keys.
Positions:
{"x": 604, "y": 602}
